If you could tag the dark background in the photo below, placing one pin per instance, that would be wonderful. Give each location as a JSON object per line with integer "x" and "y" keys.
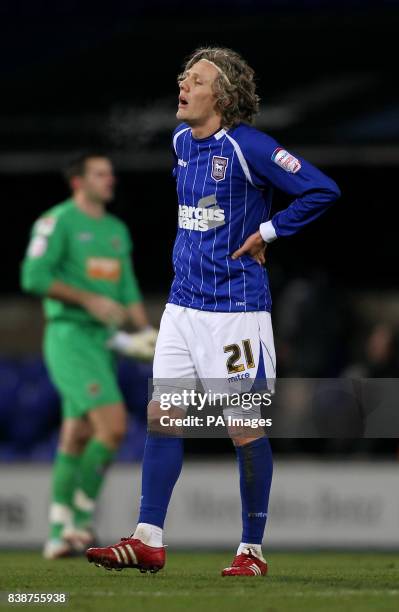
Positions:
{"x": 104, "y": 79}
{"x": 74, "y": 80}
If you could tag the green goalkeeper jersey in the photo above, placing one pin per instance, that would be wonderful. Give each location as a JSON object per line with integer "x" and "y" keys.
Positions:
{"x": 87, "y": 253}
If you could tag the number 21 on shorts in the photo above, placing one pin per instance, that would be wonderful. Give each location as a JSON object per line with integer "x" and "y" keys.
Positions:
{"x": 232, "y": 366}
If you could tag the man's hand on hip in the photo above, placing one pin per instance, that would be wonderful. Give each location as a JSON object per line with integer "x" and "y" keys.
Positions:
{"x": 254, "y": 246}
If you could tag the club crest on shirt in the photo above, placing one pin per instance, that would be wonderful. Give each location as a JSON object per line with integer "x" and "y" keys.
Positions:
{"x": 116, "y": 243}
{"x": 93, "y": 388}
{"x": 219, "y": 165}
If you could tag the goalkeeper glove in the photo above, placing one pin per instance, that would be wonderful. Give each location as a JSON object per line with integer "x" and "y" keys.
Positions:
{"x": 140, "y": 345}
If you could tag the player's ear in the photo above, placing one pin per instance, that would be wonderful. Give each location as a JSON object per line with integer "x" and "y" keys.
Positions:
{"x": 75, "y": 183}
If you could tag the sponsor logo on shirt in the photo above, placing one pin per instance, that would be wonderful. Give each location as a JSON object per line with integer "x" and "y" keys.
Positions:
{"x": 181, "y": 162}
{"x": 207, "y": 215}
{"x": 103, "y": 268}
{"x": 219, "y": 165}
{"x": 286, "y": 161}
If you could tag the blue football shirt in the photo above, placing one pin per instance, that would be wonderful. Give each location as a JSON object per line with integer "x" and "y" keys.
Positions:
{"x": 224, "y": 188}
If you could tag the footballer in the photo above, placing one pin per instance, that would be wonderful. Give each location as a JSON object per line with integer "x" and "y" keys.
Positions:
{"x": 217, "y": 320}
{"x": 78, "y": 260}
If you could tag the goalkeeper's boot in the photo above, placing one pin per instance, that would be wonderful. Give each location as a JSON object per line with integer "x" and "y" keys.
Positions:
{"x": 79, "y": 538}
{"x": 129, "y": 552}
{"x": 246, "y": 564}
{"x": 57, "y": 549}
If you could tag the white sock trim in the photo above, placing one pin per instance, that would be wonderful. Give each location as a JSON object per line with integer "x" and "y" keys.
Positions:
{"x": 83, "y": 502}
{"x": 149, "y": 534}
{"x": 255, "y": 549}
{"x": 60, "y": 513}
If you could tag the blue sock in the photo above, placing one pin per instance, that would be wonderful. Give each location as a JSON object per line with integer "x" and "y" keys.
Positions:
{"x": 255, "y": 463}
{"x": 162, "y": 463}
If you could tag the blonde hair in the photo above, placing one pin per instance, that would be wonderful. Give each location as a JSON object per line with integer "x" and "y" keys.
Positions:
{"x": 234, "y": 87}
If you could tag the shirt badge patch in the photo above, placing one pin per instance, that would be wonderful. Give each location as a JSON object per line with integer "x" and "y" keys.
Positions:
{"x": 219, "y": 165}
{"x": 93, "y": 389}
{"x": 286, "y": 161}
{"x": 37, "y": 246}
{"x": 116, "y": 243}
{"x": 45, "y": 226}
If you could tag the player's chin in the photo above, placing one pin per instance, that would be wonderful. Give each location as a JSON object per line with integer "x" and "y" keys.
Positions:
{"x": 181, "y": 114}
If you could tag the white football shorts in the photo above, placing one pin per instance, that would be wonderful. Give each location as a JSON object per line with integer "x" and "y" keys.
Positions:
{"x": 221, "y": 351}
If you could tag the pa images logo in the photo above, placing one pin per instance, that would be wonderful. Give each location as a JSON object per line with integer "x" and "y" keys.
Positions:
{"x": 219, "y": 165}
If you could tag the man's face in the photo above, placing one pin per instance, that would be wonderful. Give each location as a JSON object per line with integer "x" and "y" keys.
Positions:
{"x": 98, "y": 181}
{"x": 196, "y": 99}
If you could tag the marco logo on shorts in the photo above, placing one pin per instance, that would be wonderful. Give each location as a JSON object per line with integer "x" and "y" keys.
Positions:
{"x": 207, "y": 215}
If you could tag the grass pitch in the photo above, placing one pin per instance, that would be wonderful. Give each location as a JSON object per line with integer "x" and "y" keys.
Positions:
{"x": 191, "y": 582}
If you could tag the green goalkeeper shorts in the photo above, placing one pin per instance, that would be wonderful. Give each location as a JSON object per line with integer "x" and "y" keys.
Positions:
{"x": 81, "y": 367}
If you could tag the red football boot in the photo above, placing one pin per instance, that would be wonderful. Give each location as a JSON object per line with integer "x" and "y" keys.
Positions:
{"x": 129, "y": 552}
{"x": 246, "y": 564}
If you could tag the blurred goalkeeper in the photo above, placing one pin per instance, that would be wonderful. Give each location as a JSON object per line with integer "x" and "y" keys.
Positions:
{"x": 79, "y": 260}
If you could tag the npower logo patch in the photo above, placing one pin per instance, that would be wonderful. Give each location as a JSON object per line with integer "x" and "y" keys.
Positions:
{"x": 207, "y": 215}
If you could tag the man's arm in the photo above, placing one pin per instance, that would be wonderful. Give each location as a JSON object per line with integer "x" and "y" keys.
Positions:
{"x": 140, "y": 344}
{"x": 138, "y": 315}
{"x": 39, "y": 274}
{"x": 130, "y": 294}
{"x": 314, "y": 192}
{"x": 102, "y": 308}
{"x": 46, "y": 248}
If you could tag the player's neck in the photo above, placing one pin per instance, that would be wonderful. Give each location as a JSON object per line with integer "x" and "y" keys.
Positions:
{"x": 89, "y": 207}
{"x": 207, "y": 129}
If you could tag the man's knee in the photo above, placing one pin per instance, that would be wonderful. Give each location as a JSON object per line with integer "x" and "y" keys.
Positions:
{"x": 118, "y": 430}
{"x": 74, "y": 435}
{"x": 109, "y": 424}
{"x": 112, "y": 435}
{"x": 241, "y": 438}
{"x": 156, "y": 425}
{"x": 154, "y": 413}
